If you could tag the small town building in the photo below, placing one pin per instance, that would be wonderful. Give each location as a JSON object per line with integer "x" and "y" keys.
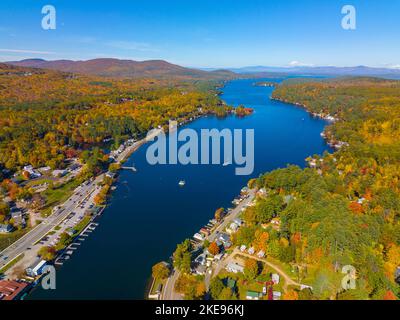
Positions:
{"x": 277, "y": 295}
{"x": 234, "y": 267}
{"x": 205, "y": 231}
{"x": 59, "y": 173}
{"x": 12, "y": 290}
{"x": 252, "y": 295}
{"x": 36, "y": 269}
{"x": 5, "y": 228}
{"x": 198, "y": 236}
{"x": 275, "y": 278}
{"x": 261, "y": 254}
{"x": 224, "y": 238}
{"x": 218, "y": 257}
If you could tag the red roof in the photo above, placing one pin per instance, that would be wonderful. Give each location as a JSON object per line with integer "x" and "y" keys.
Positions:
{"x": 9, "y": 290}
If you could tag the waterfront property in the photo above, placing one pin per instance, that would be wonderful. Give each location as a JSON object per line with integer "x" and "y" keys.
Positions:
{"x": 36, "y": 269}
{"x": 12, "y": 290}
{"x": 167, "y": 213}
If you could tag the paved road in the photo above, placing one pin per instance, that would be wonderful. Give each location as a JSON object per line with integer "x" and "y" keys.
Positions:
{"x": 168, "y": 292}
{"x": 25, "y": 242}
{"x": 235, "y": 213}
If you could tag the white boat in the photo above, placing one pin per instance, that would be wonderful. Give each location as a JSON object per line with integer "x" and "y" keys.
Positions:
{"x": 182, "y": 183}
{"x": 227, "y": 163}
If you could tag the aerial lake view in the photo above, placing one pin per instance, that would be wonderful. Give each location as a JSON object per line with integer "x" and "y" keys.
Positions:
{"x": 149, "y": 213}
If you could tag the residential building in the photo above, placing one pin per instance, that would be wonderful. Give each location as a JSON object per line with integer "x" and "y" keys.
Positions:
{"x": 275, "y": 278}
{"x": 234, "y": 267}
{"x": 252, "y": 295}
{"x": 5, "y": 228}
{"x": 36, "y": 269}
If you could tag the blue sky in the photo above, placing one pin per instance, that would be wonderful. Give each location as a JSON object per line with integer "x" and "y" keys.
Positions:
{"x": 206, "y": 33}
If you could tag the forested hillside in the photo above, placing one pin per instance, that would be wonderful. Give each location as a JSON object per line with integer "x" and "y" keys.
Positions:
{"x": 117, "y": 68}
{"x": 47, "y": 116}
{"x": 345, "y": 210}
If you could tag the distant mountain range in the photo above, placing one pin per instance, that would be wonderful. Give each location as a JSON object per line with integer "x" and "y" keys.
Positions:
{"x": 124, "y": 68}
{"x": 332, "y": 71}
{"x": 109, "y": 67}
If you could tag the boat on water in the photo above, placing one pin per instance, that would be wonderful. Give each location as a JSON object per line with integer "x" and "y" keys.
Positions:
{"x": 227, "y": 163}
{"x": 182, "y": 183}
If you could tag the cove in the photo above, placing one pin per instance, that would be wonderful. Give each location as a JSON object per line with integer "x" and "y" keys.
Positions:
{"x": 149, "y": 214}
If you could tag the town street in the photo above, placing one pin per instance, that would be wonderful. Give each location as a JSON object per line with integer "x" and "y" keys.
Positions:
{"x": 25, "y": 243}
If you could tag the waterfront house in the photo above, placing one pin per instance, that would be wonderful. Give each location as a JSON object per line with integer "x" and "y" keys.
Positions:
{"x": 205, "y": 231}
{"x": 198, "y": 236}
{"x": 36, "y": 269}
{"x": 110, "y": 174}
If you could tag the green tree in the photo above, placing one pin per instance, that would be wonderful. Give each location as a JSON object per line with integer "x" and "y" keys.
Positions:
{"x": 183, "y": 257}
{"x": 47, "y": 253}
{"x": 251, "y": 269}
{"x": 160, "y": 271}
{"x": 216, "y": 287}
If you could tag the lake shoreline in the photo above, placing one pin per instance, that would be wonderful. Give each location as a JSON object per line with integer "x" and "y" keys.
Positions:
{"x": 163, "y": 223}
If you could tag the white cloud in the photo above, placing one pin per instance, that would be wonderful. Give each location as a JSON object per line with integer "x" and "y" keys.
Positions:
{"x": 26, "y": 51}
{"x": 296, "y": 63}
{"x": 393, "y": 66}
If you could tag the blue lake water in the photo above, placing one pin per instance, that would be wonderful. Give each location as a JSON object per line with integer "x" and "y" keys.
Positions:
{"x": 149, "y": 213}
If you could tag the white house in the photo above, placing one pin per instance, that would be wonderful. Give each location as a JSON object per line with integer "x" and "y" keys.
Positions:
{"x": 234, "y": 267}
{"x": 275, "y": 278}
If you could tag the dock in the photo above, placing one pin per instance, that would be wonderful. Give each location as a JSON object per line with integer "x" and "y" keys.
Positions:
{"x": 129, "y": 168}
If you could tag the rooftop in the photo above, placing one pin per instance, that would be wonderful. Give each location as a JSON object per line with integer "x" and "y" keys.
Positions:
{"x": 9, "y": 290}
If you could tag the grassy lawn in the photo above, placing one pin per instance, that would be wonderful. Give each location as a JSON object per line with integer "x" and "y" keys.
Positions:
{"x": 7, "y": 239}
{"x": 38, "y": 182}
{"x": 58, "y": 195}
{"x": 82, "y": 225}
{"x": 11, "y": 263}
{"x": 256, "y": 285}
